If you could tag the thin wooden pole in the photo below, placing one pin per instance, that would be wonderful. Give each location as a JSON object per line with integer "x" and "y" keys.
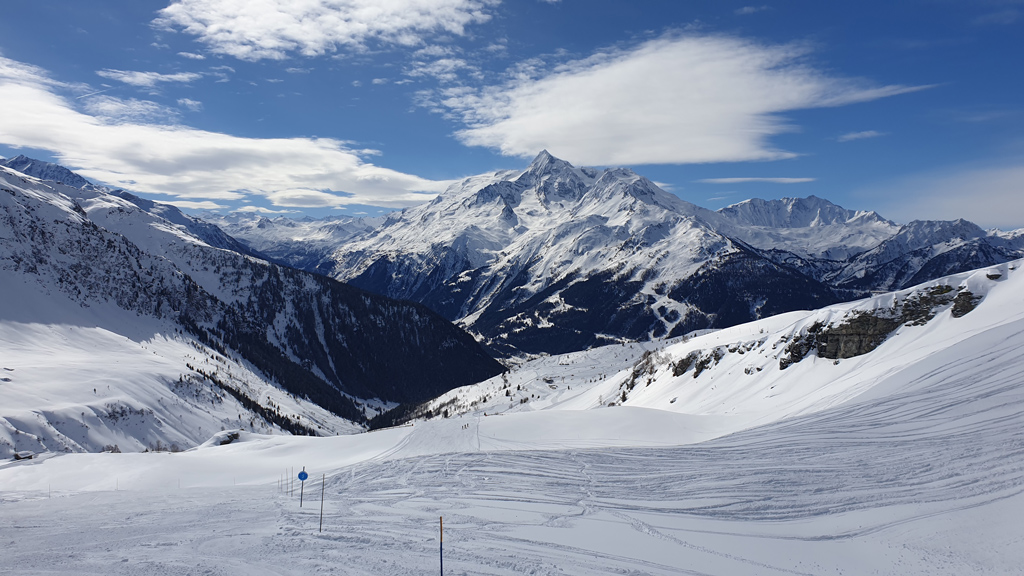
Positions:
{"x": 441, "y": 549}
{"x": 323, "y": 481}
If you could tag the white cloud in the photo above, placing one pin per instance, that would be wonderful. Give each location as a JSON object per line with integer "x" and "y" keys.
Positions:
{"x": 445, "y": 69}
{"x": 193, "y": 105}
{"x": 860, "y": 135}
{"x": 671, "y": 100}
{"x": 185, "y": 163}
{"x": 147, "y": 79}
{"x": 990, "y": 195}
{"x": 433, "y": 51}
{"x": 262, "y": 210}
{"x": 272, "y": 29}
{"x": 751, "y": 10}
{"x": 193, "y": 205}
{"x": 306, "y": 198}
{"x": 744, "y": 180}
{"x": 1003, "y": 17}
{"x": 192, "y": 55}
{"x": 117, "y": 110}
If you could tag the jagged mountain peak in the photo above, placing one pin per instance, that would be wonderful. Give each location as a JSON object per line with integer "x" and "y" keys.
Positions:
{"x": 46, "y": 171}
{"x": 794, "y": 213}
{"x": 959, "y": 228}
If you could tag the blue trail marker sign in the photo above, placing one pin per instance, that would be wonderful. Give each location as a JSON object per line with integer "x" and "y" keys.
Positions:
{"x": 302, "y": 478}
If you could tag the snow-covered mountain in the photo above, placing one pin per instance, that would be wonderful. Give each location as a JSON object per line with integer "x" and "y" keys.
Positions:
{"x": 305, "y": 243}
{"x": 558, "y": 258}
{"x": 926, "y": 249}
{"x": 879, "y": 436}
{"x": 811, "y": 228}
{"x": 233, "y": 325}
{"x": 45, "y": 171}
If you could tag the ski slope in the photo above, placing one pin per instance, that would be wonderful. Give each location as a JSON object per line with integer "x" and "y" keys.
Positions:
{"x": 906, "y": 460}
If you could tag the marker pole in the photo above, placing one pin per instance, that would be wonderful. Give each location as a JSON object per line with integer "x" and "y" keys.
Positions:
{"x": 302, "y": 487}
{"x": 441, "y": 549}
{"x": 323, "y": 481}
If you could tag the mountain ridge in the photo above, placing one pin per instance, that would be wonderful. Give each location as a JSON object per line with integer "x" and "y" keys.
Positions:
{"x": 302, "y": 333}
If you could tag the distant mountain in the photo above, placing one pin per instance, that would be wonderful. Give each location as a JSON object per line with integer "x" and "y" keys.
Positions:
{"x": 302, "y": 244}
{"x": 311, "y": 336}
{"x": 927, "y": 249}
{"x": 811, "y": 227}
{"x": 558, "y": 258}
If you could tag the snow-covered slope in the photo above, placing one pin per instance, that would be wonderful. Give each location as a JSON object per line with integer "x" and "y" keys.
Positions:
{"x": 99, "y": 377}
{"x": 86, "y": 249}
{"x": 761, "y": 372}
{"x": 905, "y": 457}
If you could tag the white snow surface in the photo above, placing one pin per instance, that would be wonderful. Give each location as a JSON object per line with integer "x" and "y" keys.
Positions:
{"x": 80, "y": 378}
{"x": 906, "y": 460}
{"x": 83, "y": 374}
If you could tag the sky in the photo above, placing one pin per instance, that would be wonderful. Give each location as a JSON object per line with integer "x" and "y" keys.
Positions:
{"x": 911, "y": 108}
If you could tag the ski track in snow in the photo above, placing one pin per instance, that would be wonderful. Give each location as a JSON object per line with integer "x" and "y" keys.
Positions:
{"x": 926, "y": 479}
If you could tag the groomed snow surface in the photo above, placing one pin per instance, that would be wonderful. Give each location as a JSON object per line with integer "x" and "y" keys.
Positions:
{"x": 906, "y": 460}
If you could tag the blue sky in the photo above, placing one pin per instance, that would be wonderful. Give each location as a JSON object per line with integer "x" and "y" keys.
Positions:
{"x": 914, "y": 109}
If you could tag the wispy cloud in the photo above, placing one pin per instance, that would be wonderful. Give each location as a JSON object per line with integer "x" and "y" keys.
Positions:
{"x": 999, "y": 18}
{"x": 751, "y": 10}
{"x": 745, "y": 180}
{"x": 273, "y": 29}
{"x": 444, "y": 70}
{"x": 194, "y": 205}
{"x": 262, "y": 210}
{"x": 190, "y": 104}
{"x": 306, "y": 198}
{"x": 191, "y": 55}
{"x": 120, "y": 111}
{"x": 860, "y": 135}
{"x": 186, "y": 163}
{"x": 147, "y": 79}
{"x": 642, "y": 105}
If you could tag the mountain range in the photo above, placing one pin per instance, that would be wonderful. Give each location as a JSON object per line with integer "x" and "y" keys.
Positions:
{"x": 557, "y": 258}
{"x": 548, "y": 260}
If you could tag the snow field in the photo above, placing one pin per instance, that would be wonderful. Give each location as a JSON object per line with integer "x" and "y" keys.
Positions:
{"x": 79, "y": 378}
